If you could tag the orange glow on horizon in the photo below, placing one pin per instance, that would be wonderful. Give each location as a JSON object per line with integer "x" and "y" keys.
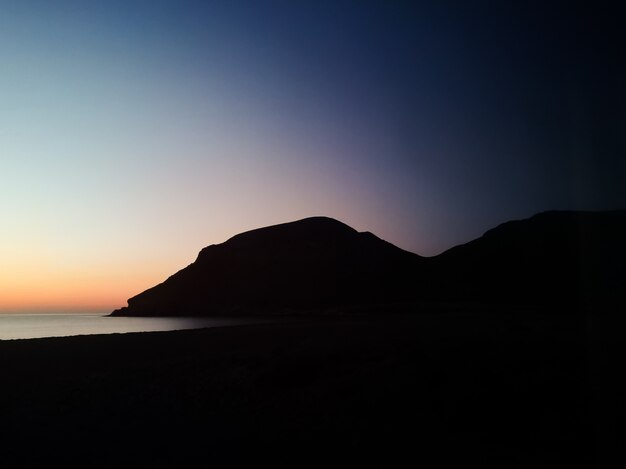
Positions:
{"x": 67, "y": 291}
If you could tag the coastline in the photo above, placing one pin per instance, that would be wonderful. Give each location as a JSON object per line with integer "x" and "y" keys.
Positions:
{"x": 505, "y": 390}
{"x": 40, "y": 326}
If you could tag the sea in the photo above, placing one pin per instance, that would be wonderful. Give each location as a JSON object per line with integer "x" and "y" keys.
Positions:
{"x": 35, "y": 326}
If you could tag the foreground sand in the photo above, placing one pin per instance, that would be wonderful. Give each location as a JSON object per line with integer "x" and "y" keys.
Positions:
{"x": 501, "y": 390}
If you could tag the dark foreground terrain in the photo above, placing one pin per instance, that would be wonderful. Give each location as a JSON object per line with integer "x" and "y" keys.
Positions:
{"x": 494, "y": 389}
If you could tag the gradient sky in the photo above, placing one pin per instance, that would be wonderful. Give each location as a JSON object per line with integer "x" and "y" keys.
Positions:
{"x": 134, "y": 133}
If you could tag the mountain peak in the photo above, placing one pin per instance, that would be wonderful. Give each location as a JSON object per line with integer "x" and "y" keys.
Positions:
{"x": 305, "y": 232}
{"x": 306, "y": 227}
{"x": 313, "y": 263}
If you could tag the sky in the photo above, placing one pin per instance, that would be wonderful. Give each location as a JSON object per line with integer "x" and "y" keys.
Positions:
{"x": 134, "y": 133}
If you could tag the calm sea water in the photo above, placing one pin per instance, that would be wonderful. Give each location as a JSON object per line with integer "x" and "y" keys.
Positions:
{"x": 32, "y": 326}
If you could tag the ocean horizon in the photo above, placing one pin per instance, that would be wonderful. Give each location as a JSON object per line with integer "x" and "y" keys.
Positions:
{"x": 14, "y": 326}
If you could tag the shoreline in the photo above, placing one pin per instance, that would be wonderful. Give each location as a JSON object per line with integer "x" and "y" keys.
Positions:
{"x": 32, "y": 327}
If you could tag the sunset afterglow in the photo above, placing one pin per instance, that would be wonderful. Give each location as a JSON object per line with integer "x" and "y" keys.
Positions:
{"x": 133, "y": 134}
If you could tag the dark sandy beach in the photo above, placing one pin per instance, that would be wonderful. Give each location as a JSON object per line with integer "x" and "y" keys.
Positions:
{"x": 496, "y": 389}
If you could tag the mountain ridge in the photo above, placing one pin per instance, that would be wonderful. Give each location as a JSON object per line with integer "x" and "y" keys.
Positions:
{"x": 572, "y": 258}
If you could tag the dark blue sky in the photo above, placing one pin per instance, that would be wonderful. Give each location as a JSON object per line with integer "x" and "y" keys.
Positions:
{"x": 424, "y": 122}
{"x": 508, "y": 107}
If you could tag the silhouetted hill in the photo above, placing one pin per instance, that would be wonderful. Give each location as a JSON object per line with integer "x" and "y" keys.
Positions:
{"x": 311, "y": 264}
{"x": 320, "y": 264}
{"x": 557, "y": 257}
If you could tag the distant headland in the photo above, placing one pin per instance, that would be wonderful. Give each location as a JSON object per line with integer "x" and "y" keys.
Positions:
{"x": 567, "y": 258}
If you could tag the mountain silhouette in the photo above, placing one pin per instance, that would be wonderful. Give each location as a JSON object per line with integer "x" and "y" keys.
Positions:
{"x": 311, "y": 264}
{"x": 573, "y": 259}
{"x": 570, "y": 258}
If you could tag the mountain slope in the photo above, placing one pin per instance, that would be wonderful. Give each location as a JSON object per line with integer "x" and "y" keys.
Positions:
{"x": 557, "y": 257}
{"x": 564, "y": 259}
{"x": 315, "y": 263}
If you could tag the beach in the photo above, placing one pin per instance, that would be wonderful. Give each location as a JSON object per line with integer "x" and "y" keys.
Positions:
{"x": 499, "y": 389}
